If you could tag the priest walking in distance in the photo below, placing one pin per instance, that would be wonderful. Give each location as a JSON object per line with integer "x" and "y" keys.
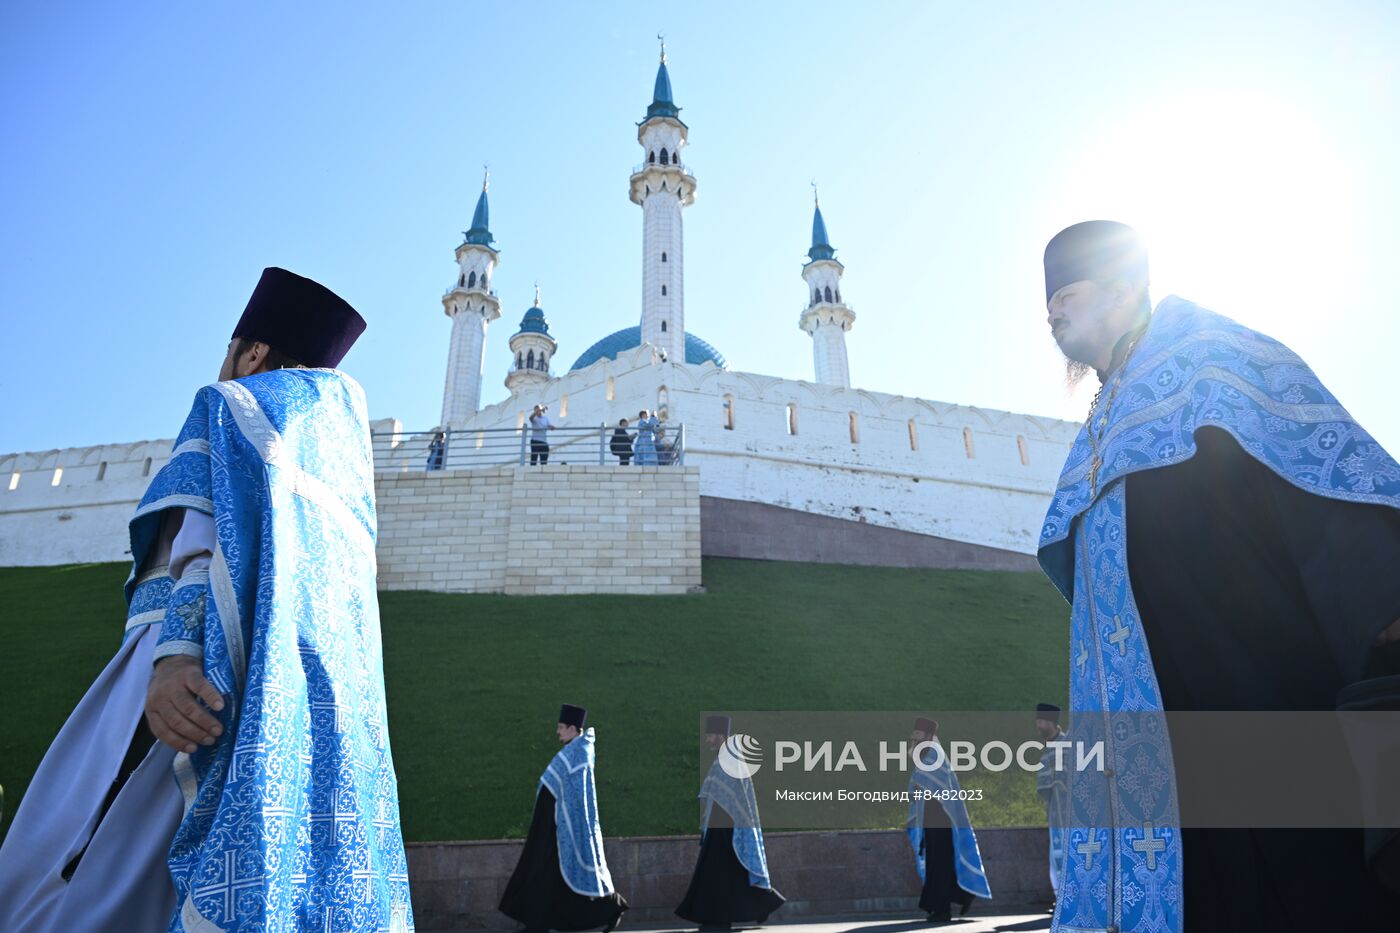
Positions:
{"x": 730, "y": 884}
{"x": 252, "y": 643}
{"x": 945, "y": 844}
{"x": 562, "y": 881}
{"x": 1228, "y": 539}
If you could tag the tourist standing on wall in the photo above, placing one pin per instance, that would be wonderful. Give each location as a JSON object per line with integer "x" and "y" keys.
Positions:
{"x": 644, "y": 448}
{"x": 622, "y": 443}
{"x": 539, "y": 435}
{"x": 437, "y": 451}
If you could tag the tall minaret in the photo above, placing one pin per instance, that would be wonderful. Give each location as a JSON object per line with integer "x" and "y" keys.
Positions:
{"x": 662, "y": 187}
{"x": 533, "y": 348}
{"x": 827, "y": 318}
{"x": 471, "y": 305}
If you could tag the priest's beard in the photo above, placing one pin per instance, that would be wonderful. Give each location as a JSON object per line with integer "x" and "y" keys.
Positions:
{"x": 1075, "y": 371}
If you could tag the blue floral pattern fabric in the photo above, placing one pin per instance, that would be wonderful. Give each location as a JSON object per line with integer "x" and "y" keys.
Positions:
{"x": 291, "y": 818}
{"x": 1192, "y": 368}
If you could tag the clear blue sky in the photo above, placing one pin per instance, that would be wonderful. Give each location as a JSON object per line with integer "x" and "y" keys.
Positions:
{"x": 158, "y": 155}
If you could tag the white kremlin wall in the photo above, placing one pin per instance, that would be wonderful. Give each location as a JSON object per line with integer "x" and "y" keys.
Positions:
{"x": 969, "y": 474}
{"x": 953, "y": 471}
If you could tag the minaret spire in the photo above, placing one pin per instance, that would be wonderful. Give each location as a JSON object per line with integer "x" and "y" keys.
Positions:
{"x": 662, "y": 188}
{"x": 826, "y": 318}
{"x": 472, "y": 306}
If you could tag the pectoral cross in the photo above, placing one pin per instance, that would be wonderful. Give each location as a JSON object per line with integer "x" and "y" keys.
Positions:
{"x": 1094, "y": 463}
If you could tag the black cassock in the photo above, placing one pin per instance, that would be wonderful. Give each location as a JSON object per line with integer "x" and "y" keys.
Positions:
{"x": 940, "y": 864}
{"x": 1256, "y": 595}
{"x": 537, "y": 894}
{"x": 719, "y": 890}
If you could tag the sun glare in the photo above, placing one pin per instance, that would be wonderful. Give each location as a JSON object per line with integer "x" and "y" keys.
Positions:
{"x": 1246, "y": 205}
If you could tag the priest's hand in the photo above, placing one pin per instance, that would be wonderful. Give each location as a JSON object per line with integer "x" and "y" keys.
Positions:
{"x": 173, "y": 707}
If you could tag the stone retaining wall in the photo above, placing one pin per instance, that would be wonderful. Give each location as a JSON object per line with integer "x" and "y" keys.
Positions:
{"x": 457, "y": 885}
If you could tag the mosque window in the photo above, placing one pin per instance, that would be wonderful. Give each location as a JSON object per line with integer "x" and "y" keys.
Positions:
{"x": 728, "y": 412}
{"x": 530, "y": 360}
{"x": 651, "y": 157}
{"x": 967, "y": 443}
{"x": 519, "y": 361}
{"x": 663, "y": 256}
{"x": 146, "y": 467}
{"x": 483, "y": 281}
{"x": 665, "y": 159}
{"x": 913, "y": 434}
{"x": 854, "y": 421}
{"x": 838, "y": 296}
{"x": 519, "y": 420}
{"x": 480, "y": 439}
{"x": 461, "y": 280}
{"x": 1024, "y": 450}
{"x": 816, "y": 296}
{"x": 564, "y": 406}
{"x": 57, "y": 476}
{"x": 663, "y": 289}
{"x": 663, "y": 323}
{"x": 828, "y": 293}
{"x": 14, "y": 480}
{"x": 791, "y": 418}
{"x": 102, "y": 471}
{"x": 471, "y": 280}
{"x": 612, "y": 387}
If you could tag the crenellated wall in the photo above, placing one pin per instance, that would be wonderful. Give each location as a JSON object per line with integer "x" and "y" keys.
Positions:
{"x": 965, "y": 474}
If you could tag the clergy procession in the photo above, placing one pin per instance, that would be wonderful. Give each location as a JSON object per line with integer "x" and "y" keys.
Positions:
{"x": 231, "y": 768}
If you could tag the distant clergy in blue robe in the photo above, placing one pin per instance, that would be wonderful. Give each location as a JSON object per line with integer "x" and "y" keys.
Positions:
{"x": 562, "y": 880}
{"x": 731, "y": 883}
{"x": 945, "y": 844}
{"x": 1052, "y": 786}
{"x": 1228, "y": 538}
{"x": 252, "y": 641}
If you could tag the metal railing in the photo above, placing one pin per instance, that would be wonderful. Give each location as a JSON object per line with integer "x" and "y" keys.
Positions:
{"x": 410, "y": 451}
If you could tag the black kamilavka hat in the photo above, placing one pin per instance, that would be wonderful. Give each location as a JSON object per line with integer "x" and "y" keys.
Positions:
{"x": 1095, "y": 250}
{"x": 301, "y": 318}
{"x": 573, "y": 716}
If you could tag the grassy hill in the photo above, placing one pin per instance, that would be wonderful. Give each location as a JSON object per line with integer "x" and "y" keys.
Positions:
{"x": 474, "y": 682}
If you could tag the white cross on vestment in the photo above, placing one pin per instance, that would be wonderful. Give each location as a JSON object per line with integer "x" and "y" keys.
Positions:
{"x": 1089, "y": 850}
{"x": 228, "y": 885}
{"x": 241, "y": 753}
{"x": 340, "y": 713}
{"x": 1149, "y": 844}
{"x": 1119, "y": 636}
{"x": 1083, "y": 657}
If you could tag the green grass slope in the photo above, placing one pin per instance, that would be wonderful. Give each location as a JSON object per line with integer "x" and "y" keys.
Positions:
{"x": 474, "y": 682}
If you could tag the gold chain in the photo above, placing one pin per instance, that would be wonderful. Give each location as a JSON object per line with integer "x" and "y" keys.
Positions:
{"x": 1096, "y": 431}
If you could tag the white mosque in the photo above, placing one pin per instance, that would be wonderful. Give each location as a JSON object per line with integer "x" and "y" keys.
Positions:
{"x": 962, "y": 473}
{"x": 791, "y": 469}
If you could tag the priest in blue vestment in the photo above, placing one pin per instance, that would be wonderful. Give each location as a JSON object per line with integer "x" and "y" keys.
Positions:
{"x": 730, "y": 884}
{"x": 945, "y": 844}
{"x": 252, "y": 645}
{"x": 562, "y": 880}
{"x": 1228, "y": 537}
{"x": 1052, "y": 786}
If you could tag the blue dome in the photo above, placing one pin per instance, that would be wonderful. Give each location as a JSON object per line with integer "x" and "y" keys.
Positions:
{"x": 533, "y": 322}
{"x": 697, "y": 351}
